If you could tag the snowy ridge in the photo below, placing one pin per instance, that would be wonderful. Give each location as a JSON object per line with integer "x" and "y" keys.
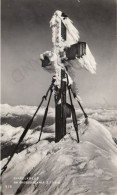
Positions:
{"x": 67, "y": 167}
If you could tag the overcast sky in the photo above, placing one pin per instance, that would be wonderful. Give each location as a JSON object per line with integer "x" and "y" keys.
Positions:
{"x": 26, "y": 34}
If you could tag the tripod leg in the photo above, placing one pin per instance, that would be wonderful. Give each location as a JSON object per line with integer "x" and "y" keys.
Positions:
{"x": 21, "y": 138}
{"x": 82, "y": 109}
{"x": 85, "y": 115}
{"x": 75, "y": 122}
{"x": 74, "y": 116}
{"x": 45, "y": 116}
{"x": 25, "y": 130}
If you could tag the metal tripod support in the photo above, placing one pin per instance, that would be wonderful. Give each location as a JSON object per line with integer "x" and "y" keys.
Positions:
{"x": 45, "y": 115}
{"x": 74, "y": 118}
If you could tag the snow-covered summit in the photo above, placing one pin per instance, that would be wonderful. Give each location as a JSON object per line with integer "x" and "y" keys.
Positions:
{"x": 66, "y": 167}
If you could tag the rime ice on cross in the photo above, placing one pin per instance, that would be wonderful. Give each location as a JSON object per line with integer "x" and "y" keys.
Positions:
{"x": 66, "y": 49}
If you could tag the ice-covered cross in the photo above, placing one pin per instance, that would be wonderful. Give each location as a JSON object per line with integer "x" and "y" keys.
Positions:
{"x": 66, "y": 48}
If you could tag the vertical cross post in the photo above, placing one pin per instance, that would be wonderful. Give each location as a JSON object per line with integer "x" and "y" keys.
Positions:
{"x": 60, "y": 116}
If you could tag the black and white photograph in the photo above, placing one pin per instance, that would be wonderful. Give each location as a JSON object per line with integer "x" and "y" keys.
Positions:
{"x": 58, "y": 97}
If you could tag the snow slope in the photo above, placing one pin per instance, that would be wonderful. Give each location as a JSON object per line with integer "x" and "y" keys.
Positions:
{"x": 66, "y": 167}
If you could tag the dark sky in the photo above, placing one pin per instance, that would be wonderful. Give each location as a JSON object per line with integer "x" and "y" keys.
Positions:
{"x": 26, "y": 34}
